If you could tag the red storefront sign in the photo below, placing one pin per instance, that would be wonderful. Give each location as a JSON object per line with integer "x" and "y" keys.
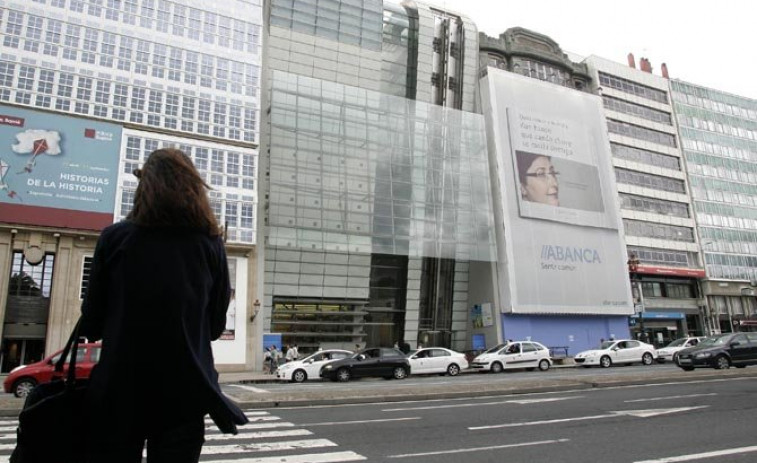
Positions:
{"x": 679, "y": 272}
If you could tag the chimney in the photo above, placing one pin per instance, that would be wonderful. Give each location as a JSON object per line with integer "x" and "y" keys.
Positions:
{"x": 645, "y": 65}
{"x": 631, "y": 61}
{"x": 664, "y": 69}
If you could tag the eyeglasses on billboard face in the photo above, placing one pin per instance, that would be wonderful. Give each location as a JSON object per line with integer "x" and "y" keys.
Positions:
{"x": 543, "y": 174}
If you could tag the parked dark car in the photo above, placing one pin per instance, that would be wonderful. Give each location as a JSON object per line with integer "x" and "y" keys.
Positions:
{"x": 382, "y": 362}
{"x": 720, "y": 352}
{"x": 22, "y": 379}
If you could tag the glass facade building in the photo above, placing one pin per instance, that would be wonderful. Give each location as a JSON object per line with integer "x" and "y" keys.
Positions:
{"x": 719, "y": 138}
{"x": 163, "y": 73}
{"x": 377, "y": 196}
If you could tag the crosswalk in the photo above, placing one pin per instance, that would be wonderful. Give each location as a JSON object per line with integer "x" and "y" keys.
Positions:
{"x": 265, "y": 439}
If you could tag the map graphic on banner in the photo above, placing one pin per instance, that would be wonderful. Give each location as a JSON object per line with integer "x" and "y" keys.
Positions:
{"x": 57, "y": 170}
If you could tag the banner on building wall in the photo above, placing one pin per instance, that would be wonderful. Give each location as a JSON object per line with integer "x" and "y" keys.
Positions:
{"x": 57, "y": 170}
{"x": 563, "y": 241}
{"x": 231, "y": 347}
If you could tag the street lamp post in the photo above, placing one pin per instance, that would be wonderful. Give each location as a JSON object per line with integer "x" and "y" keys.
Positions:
{"x": 638, "y": 307}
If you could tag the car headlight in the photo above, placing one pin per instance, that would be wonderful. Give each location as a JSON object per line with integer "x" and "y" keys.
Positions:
{"x": 17, "y": 368}
{"x": 703, "y": 355}
{"x": 327, "y": 367}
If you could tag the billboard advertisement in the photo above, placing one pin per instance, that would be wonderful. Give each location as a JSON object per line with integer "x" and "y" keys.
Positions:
{"x": 562, "y": 247}
{"x": 57, "y": 170}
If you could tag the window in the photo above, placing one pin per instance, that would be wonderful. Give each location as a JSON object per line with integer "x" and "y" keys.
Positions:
{"x": 651, "y": 289}
{"x": 641, "y": 133}
{"x": 86, "y": 269}
{"x": 632, "y": 88}
{"x": 31, "y": 280}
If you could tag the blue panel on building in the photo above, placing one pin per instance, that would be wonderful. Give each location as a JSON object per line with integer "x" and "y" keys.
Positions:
{"x": 575, "y": 332}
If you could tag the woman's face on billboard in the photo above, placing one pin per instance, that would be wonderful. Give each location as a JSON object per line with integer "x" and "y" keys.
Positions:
{"x": 541, "y": 183}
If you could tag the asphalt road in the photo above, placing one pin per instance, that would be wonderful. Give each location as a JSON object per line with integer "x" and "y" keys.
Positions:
{"x": 709, "y": 420}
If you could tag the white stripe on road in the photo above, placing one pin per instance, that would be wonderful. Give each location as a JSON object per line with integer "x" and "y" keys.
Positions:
{"x": 259, "y": 435}
{"x": 634, "y": 413}
{"x": 250, "y": 388}
{"x": 652, "y": 399}
{"x": 312, "y": 458}
{"x": 702, "y": 456}
{"x": 7, "y": 446}
{"x": 480, "y": 449}
{"x": 9, "y": 428}
{"x": 270, "y": 425}
{"x": 253, "y": 419}
{"x": 267, "y": 446}
{"x": 336, "y": 423}
{"x": 479, "y": 404}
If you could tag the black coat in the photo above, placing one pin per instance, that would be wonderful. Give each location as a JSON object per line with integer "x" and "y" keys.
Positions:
{"x": 157, "y": 298}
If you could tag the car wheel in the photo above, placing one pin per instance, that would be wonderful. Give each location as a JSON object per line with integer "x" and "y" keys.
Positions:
{"x": 497, "y": 367}
{"x": 453, "y": 369}
{"x": 399, "y": 373}
{"x": 605, "y": 362}
{"x": 23, "y": 387}
{"x": 687, "y": 368}
{"x": 544, "y": 365}
{"x": 343, "y": 375}
{"x": 722, "y": 362}
{"x": 647, "y": 358}
{"x": 299, "y": 376}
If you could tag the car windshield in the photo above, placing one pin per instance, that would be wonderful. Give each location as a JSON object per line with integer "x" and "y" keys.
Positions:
{"x": 495, "y": 349}
{"x": 677, "y": 343}
{"x": 716, "y": 340}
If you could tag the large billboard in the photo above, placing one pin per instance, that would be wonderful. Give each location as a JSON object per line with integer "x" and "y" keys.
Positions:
{"x": 57, "y": 170}
{"x": 561, "y": 249}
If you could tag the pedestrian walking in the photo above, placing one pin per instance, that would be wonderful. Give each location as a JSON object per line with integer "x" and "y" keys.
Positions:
{"x": 275, "y": 357}
{"x": 290, "y": 354}
{"x": 161, "y": 274}
{"x": 296, "y": 353}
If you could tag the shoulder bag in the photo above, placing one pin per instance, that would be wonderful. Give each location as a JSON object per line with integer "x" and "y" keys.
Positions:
{"x": 52, "y": 422}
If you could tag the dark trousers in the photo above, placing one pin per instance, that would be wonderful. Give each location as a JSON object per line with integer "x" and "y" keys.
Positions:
{"x": 179, "y": 442}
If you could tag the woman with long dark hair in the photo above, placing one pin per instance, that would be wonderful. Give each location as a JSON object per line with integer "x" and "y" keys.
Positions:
{"x": 157, "y": 296}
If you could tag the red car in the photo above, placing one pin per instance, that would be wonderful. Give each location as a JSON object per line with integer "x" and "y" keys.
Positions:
{"x": 21, "y": 380}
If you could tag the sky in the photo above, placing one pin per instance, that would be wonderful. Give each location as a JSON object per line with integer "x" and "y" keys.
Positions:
{"x": 708, "y": 43}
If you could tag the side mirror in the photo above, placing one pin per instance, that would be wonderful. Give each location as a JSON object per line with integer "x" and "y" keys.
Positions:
{"x": 309, "y": 361}
{"x": 361, "y": 357}
{"x": 735, "y": 344}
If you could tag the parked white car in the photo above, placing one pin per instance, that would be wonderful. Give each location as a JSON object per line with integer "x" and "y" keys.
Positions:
{"x": 309, "y": 367}
{"x": 668, "y": 352}
{"x": 437, "y": 360}
{"x": 521, "y": 354}
{"x": 621, "y": 351}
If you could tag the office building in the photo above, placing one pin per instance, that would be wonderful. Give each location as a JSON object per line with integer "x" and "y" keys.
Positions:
{"x": 719, "y": 140}
{"x": 87, "y": 90}
{"x": 664, "y": 260}
{"x": 377, "y": 210}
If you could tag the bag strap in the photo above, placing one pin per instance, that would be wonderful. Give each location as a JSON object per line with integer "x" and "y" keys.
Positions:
{"x": 71, "y": 349}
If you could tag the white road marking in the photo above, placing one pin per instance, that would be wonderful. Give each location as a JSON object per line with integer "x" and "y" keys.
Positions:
{"x": 250, "y": 388}
{"x": 702, "y": 456}
{"x": 653, "y": 399}
{"x": 267, "y": 446}
{"x": 253, "y": 419}
{"x": 259, "y": 435}
{"x": 311, "y": 458}
{"x": 270, "y": 425}
{"x": 635, "y": 413}
{"x": 7, "y": 446}
{"x": 480, "y": 449}
{"x": 335, "y": 423}
{"x": 480, "y": 404}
